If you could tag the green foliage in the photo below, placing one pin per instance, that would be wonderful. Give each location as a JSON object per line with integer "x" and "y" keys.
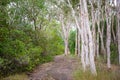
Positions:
{"x": 72, "y": 41}
{"x": 34, "y": 57}
{"x": 20, "y": 51}
{"x": 55, "y": 46}
{"x": 3, "y": 33}
{"x": 114, "y": 54}
{"x": 14, "y": 48}
{"x": 75, "y": 3}
{"x": 11, "y": 51}
{"x": 22, "y": 47}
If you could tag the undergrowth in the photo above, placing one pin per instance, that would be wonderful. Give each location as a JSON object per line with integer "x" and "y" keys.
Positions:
{"x": 102, "y": 74}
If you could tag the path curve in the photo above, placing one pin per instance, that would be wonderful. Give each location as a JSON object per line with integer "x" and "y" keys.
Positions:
{"x": 61, "y": 68}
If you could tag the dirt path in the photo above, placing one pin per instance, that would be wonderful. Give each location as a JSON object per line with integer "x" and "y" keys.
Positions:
{"x": 60, "y": 69}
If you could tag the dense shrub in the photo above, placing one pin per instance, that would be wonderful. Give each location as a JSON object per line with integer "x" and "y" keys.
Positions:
{"x": 22, "y": 51}
{"x": 114, "y": 54}
{"x": 23, "y": 47}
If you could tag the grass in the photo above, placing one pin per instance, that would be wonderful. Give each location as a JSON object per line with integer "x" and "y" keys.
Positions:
{"x": 102, "y": 74}
{"x": 16, "y": 77}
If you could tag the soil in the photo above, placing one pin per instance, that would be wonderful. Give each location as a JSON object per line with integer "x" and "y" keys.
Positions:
{"x": 61, "y": 68}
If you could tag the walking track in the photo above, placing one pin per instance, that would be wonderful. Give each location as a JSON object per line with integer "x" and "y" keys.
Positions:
{"x": 61, "y": 68}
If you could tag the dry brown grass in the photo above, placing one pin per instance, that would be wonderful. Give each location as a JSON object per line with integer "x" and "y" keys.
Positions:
{"x": 16, "y": 77}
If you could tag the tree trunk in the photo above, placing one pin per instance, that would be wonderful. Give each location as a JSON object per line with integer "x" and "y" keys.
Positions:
{"x": 97, "y": 45}
{"x": 108, "y": 40}
{"x": 87, "y": 48}
{"x": 108, "y": 45}
{"x": 112, "y": 30}
{"x": 76, "y": 42}
{"x": 83, "y": 52}
{"x": 93, "y": 27}
{"x": 91, "y": 42}
{"x": 66, "y": 47}
{"x": 118, "y": 27}
{"x": 119, "y": 38}
{"x": 79, "y": 44}
{"x": 102, "y": 42}
{"x": 65, "y": 30}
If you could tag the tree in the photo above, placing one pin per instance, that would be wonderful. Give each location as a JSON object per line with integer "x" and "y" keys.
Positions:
{"x": 65, "y": 30}
{"x": 108, "y": 41}
{"x": 86, "y": 36}
{"x": 118, "y": 26}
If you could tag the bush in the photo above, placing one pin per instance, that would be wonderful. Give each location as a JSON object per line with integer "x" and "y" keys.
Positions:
{"x": 34, "y": 57}
{"x": 72, "y": 41}
{"x": 11, "y": 53}
{"x": 114, "y": 54}
{"x": 23, "y": 51}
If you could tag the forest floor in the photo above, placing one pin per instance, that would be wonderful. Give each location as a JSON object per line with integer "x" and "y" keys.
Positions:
{"x": 61, "y": 68}
{"x": 67, "y": 68}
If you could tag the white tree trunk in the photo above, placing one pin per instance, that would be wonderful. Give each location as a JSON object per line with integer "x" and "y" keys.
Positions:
{"x": 101, "y": 39}
{"x": 66, "y": 47}
{"x": 103, "y": 49}
{"x": 97, "y": 45}
{"x": 118, "y": 27}
{"x": 86, "y": 50}
{"x": 76, "y": 42}
{"x": 65, "y": 30}
{"x": 108, "y": 40}
{"x": 100, "y": 17}
{"x": 108, "y": 44}
{"x": 83, "y": 57}
{"x": 93, "y": 26}
{"x": 83, "y": 52}
{"x": 91, "y": 42}
{"x": 112, "y": 30}
{"x": 87, "y": 43}
{"x": 79, "y": 44}
{"x": 119, "y": 39}
{"x": 80, "y": 34}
